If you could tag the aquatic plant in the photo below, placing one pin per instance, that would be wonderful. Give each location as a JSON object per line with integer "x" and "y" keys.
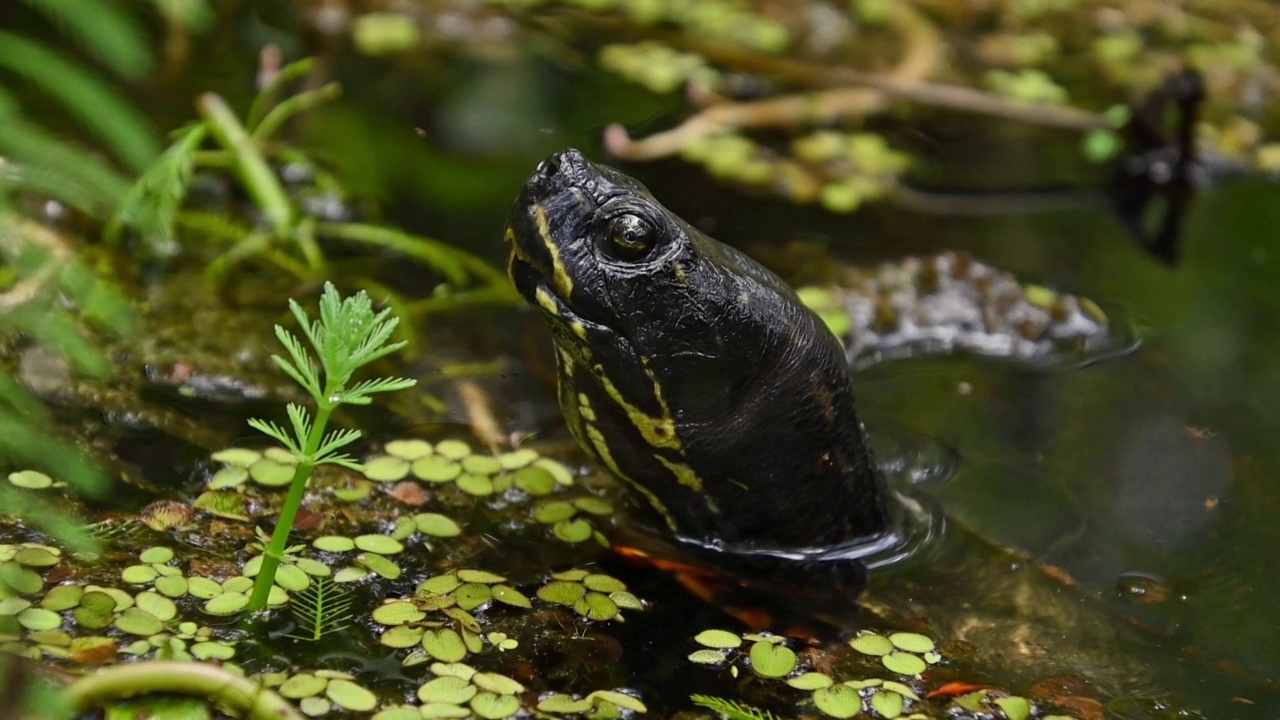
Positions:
{"x": 347, "y": 336}
{"x": 47, "y": 292}
{"x": 291, "y": 225}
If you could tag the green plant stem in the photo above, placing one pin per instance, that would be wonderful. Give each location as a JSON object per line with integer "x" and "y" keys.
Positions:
{"x": 258, "y": 178}
{"x": 301, "y": 102}
{"x": 274, "y": 553}
{"x": 450, "y": 261}
{"x": 215, "y": 684}
{"x": 268, "y": 94}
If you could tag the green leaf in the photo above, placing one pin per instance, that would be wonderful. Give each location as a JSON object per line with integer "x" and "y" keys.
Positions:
{"x": 773, "y": 661}
{"x": 108, "y": 33}
{"x": 98, "y": 107}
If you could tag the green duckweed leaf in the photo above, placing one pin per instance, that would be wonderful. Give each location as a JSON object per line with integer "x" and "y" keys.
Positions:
{"x": 350, "y": 696}
{"x": 334, "y": 543}
{"x": 350, "y": 574}
{"x": 430, "y": 711}
{"x": 466, "y": 620}
{"x": 95, "y": 611}
{"x": 912, "y": 642}
{"x": 558, "y": 471}
{"x": 37, "y": 557}
{"x": 593, "y": 506}
{"x": 491, "y": 706}
{"x": 314, "y": 568}
{"x": 172, "y": 586}
{"x": 453, "y": 449}
{"x": 381, "y": 544}
{"x": 157, "y": 554}
{"x": 203, "y": 588}
{"x": 213, "y": 650}
{"x": 887, "y": 703}
{"x": 447, "y": 689}
{"x": 401, "y": 636}
{"x": 901, "y": 689}
{"x": 439, "y": 584}
{"x": 379, "y": 564}
{"x": 554, "y": 511}
{"x": 810, "y": 681}
{"x": 136, "y": 621}
{"x": 290, "y": 577}
{"x": 478, "y": 485}
{"x": 227, "y": 604}
{"x": 228, "y": 477}
{"x": 435, "y": 469}
{"x": 270, "y": 473}
{"x": 436, "y": 525}
{"x": 62, "y": 597}
{"x": 871, "y": 644}
{"x": 903, "y": 663}
{"x": 603, "y": 583}
{"x": 139, "y": 574}
{"x": 302, "y": 685}
{"x": 564, "y": 704}
{"x": 838, "y": 701}
{"x": 597, "y": 606}
{"x": 572, "y": 531}
{"x": 35, "y": 618}
{"x": 398, "y": 612}
{"x": 472, "y": 595}
{"x": 398, "y": 712}
{"x": 453, "y": 669}
{"x": 467, "y": 575}
{"x": 408, "y": 449}
{"x": 770, "y": 660}
{"x": 622, "y": 700}
{"x": 508, "y": 595}
{"x": 1015, "y": 708}
{"x": 237, "y": 584}
{"x": 444, "y": 644}
{"x": 356, "y": 491}
{"x": 718, "y": 639}
{"x": 481, "y": 465}
{"x": 158, "y": 605}
{"x": 626, "y": 600}
{"x": 707, "y": 656}
{"x": 933, "y": 657}
{"x": 12, "y": 606}
{"x": 496, "y": 683}
{"x": 240, "y": 457}
{"x": 314, "y": 706}
{"x": 973, "y": 702}
{"x": 574, "y": 575}
{"x": 562, "y": 592}
{"x": 517, "y": 459}
{"x": 534, "y": 481}
{"x": 387, "y": 468}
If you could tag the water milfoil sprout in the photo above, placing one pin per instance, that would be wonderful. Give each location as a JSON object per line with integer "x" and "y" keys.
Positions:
{"x": 348, "y": 336}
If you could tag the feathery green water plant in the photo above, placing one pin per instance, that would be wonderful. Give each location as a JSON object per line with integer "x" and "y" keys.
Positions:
{"x": 347, "y": 336}
{"x": 323, "y": 608}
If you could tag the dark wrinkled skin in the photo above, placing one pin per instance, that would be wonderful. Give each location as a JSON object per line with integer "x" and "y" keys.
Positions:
{"x": 756, "y": 385}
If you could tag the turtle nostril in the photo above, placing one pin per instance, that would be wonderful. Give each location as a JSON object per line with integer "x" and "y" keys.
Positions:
{"x": 550, "y": 166}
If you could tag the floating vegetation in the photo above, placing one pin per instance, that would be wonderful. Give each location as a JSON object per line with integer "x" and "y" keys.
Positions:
{"x": 769, "y": 657}
{"x": 320, "y": 691}
{"x": 591, "y": 595}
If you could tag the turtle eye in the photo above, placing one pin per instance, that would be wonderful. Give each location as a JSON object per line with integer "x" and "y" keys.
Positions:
{"x": 630, "y": 237}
